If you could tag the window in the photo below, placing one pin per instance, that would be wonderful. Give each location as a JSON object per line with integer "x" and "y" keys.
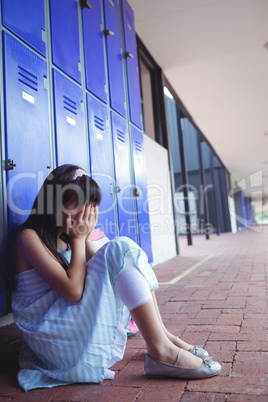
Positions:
{"x": 147, "y": 100}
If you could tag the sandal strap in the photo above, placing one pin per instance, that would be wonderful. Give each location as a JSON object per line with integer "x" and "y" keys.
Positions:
{"x": 178, "y": 358}
{"x": 175, "y": 339}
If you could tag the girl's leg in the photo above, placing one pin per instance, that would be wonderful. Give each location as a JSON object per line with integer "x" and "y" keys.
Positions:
{"x": 158, "y": 345}
{"x": 135, "y": 294}
{"x": 178, "y": 342}
{"x": 134, "y": 291}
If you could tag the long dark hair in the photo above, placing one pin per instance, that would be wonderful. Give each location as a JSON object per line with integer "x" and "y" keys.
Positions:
{"x": 58, "y": 190}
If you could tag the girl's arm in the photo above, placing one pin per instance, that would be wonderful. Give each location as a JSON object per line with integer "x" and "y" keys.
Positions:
{"x": 90, "y": 249}
{"x": 68, "y": 284}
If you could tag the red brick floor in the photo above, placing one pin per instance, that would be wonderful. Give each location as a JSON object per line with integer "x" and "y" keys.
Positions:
{"x": 221, "y": 303}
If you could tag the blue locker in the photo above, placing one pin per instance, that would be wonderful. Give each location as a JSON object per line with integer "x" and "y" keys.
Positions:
{"x": 140, "y": 192}
{"x": 124, "y": 188}
{"x": 71, "y": 142}
{"x": 131, "y": 56}
{"x": 26, "y": 19}
{"x": 27, "y": 130}
{"x": 114, "y": 56}
{"x": 65, "y": 37}
{"x": 101, "y": 163}
{"x": 94, "y": 50}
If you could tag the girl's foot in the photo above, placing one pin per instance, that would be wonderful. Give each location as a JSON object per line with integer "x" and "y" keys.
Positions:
{"x": 170, "y": 353}
{"x": 188, "y": 360}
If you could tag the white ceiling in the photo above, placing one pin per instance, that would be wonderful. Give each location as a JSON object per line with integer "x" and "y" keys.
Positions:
{"x": 212, "y": 52}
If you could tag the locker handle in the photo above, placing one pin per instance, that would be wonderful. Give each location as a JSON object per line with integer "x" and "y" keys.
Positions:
{"x": 117, "y": 189}
{"x": 137, "y": 192}
{"x": 9, "y": 164}
{"x": 108, "y": 32}
{"x": 85, "y": 3}
{"x": 130, "y": 55}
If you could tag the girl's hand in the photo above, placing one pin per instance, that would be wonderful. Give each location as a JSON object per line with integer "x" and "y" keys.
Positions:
{"x": 83, "y": 224}
{"x": 93, "y": 218}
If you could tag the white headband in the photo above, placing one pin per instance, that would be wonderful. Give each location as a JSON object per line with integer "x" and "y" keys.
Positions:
{"x": 78, "y": 173}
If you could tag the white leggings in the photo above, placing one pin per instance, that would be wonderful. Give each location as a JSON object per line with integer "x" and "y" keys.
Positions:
{"x": 131, "y": 285}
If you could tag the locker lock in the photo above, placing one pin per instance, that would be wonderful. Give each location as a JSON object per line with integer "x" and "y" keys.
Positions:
{"x": 117, "y": 189}
{"x": 137, "y": 192}
{"x": 107, "y": 32}
{"x": 130, "y": 55}
{"x": 9, "y": 164}
{"x": 85, "y": 3}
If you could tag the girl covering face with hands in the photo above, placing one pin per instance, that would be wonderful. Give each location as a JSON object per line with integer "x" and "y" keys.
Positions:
{"x": 73, "y": 295}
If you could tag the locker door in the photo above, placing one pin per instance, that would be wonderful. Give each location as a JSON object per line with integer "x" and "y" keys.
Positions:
{"x": 140, "y": 192}
{"x": 114, "y": 56}
{"x": 65, "y": 37}
{"x": 131, "y": 56}
{"x": 16, "y": 15}
{"x": 94, "y": 50}
{"x": 101, "y": 163}
{"x": 124, "y": 188}
{"x": 27, "y": 130}
{"x": 71, "y": 142}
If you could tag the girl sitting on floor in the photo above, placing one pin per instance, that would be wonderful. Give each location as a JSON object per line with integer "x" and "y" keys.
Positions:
{"x": 73, "y": 294}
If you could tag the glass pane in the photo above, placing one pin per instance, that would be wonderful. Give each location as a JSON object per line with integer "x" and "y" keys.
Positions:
{"x": 195, "y": 188}
{"x": 172, "y": 121}
{"x": 147, "y": 100}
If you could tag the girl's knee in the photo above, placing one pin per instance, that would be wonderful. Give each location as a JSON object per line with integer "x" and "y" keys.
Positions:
{"x": 116, "y": 251}
{"x": 123, "y": 243}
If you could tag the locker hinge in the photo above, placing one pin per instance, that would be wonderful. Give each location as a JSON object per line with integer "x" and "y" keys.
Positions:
{"x": 9, "y": 164}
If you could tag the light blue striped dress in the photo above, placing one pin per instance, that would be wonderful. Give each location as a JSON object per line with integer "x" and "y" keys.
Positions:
{"x": 65, "y": 342}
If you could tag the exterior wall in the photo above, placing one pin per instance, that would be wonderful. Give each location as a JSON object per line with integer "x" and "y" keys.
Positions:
{"x": 160, "y": 201}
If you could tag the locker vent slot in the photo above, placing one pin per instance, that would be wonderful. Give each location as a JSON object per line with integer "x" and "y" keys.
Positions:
{"x": 120, "y": 136}
{"x": 69, "y": 105}
{"x": 138, "y": 146}
{"x": 27, "y": 78}
{"x": 99, "y": 123}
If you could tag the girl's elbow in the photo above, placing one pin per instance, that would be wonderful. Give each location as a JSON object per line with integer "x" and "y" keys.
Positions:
{"x": 73, "y": 297}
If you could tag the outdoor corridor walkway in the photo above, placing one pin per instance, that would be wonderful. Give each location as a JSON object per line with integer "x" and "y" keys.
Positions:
{"x": 214, "y": 294}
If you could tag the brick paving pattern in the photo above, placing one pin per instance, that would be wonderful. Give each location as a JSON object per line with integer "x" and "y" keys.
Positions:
{"x": 221, "y": 303}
